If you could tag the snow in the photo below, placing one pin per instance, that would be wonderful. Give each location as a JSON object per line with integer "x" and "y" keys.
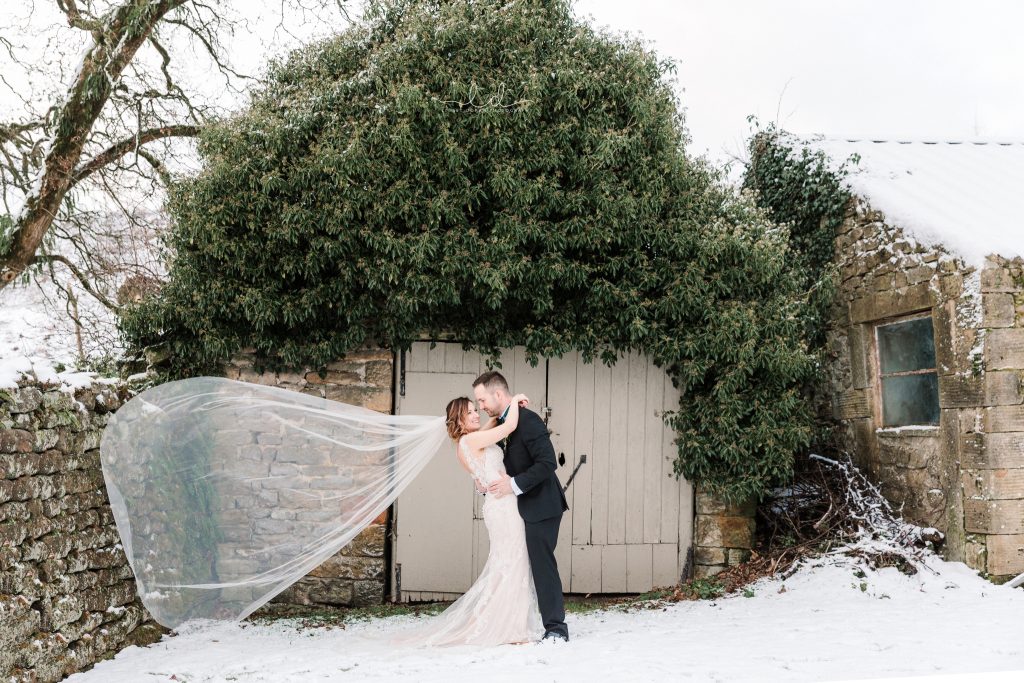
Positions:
{"x": 34, "y": 341}
{"x": 827, "y": 622}
{"x": 963, "y": 195}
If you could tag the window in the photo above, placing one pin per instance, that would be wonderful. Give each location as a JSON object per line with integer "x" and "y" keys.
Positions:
{"x": 909, "y": 383}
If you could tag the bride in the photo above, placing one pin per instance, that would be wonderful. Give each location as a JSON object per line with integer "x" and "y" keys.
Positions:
{"x": 501, "y": 606}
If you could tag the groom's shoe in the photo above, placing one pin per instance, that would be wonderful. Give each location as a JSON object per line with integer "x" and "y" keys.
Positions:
{"x": 554, "y": 637}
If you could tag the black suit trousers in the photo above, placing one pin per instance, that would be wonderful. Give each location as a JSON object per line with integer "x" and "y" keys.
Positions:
{"x": 541, "y": 538}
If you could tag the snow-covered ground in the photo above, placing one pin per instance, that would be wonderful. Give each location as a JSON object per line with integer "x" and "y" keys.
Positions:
{"x": 825, "y": 623}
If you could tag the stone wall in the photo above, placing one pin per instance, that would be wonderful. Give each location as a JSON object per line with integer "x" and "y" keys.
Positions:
{"x": 884, "y": 275}
{"x": 356, "y": 575}
{"x": 993, "y": 455}
{"x": 67, "y": 596}
{"x": 723, "y": 534}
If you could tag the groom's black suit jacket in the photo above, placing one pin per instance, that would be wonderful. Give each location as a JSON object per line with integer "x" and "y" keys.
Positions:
{"x": 530, "y": 459}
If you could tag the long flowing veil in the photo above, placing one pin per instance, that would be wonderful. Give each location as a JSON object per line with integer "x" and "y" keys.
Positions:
{"x": 225, "y": 493}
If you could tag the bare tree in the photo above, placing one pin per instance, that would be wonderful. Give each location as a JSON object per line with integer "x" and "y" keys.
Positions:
{"x": 81, "y": 165}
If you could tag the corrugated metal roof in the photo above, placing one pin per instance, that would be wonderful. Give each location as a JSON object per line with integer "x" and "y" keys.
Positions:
{"x": 968, "y": 195}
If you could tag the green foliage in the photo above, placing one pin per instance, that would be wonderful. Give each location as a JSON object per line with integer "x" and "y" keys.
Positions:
{"x": 501, "y": 174}
{"x": 801, "y": 190}
{"x": 6, "y": 232}
{"x": 708, "y": 588}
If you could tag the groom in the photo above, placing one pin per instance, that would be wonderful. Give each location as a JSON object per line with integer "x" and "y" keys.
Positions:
{"x": 530, "y": 464}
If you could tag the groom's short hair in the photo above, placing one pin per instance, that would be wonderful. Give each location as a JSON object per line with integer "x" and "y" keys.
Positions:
{"x": 492, "y": 380}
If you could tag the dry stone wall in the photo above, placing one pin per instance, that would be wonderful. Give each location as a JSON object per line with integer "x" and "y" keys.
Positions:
{"x": 67, "y": 596}
{"x": 356, "y": 575}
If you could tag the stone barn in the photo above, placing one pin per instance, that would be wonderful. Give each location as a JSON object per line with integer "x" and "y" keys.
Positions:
{"x": 926, "y": 342}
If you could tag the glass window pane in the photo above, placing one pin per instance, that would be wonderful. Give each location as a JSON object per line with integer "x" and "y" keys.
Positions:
{"x": 908, "y": 345}
{"x": 910, "y": 400}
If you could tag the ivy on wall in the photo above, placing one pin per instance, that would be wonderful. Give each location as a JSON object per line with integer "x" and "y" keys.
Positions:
{"x": 804, "y": 190}
{"x": 502, "y": 174}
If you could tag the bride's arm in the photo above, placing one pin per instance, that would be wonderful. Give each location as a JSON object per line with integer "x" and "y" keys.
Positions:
{"x": 485, "y": 437}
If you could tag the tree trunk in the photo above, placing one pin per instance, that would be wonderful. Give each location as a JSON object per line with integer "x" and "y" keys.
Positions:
{"x": 127, "y": 29}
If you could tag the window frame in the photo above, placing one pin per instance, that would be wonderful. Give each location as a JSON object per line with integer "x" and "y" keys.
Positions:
{"x": 876, "y": 362}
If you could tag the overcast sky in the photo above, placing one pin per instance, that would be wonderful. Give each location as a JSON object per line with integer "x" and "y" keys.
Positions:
{"x": 908, "y": 69}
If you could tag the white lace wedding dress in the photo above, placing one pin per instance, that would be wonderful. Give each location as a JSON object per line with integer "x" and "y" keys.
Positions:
{"x": 501, "y": 606}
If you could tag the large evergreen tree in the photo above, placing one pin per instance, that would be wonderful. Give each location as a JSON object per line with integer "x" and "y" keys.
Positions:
{"x": 496, "y": 171}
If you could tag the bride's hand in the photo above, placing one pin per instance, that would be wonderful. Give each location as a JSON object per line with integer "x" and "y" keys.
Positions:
{"x": 521, "y": 400}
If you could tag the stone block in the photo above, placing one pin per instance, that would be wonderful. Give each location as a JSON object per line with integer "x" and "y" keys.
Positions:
{"x": 1004, "y": 349}
{"x": 881, "y": 305}
{"x": 994, "y": 484}
{"x": 737, "y": 556}
{"x": 25, "y": 400}
{"x": 1005, "y": 554}
{"x": 951, "y": 285}
{"x": 961, "y": 391}
{"x": 707, "y": 504}
{"x": 997, "y": 310}
{"x": 347, "y": 567}
{"x": 45, "y": 439}
{"x": 369, "y": 543}
{"x": 379, "y": 373}
{"x": 996, "y": 279}
{"x": 725, "y": 531}
{"x": 16, "y": 441}
{"x": 860, "y": 345}
{"x": 921, "y": 273}
{"x": 994, "y": 516}
{"x": 336, "y": 376}
{"x": 907, "y": 451}
{"x": 367, "y": 593}
{"x": 703, "y": 571}
{"x": 1003, "y": 388}
{"x": 992, "y": 451}
{"x": 943, "y": 325}
{"x": 332, "y": 592}
{"x": 709, "y": 556}
{"x": 1003, "y": 419}
{"x": 852, "y": 404}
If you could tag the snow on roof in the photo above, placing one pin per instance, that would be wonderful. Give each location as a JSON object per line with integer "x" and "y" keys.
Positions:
{"x": 967, "y": 196}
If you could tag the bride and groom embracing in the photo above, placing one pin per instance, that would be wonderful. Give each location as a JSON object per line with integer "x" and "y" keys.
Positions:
{"x": 518, "y": 595}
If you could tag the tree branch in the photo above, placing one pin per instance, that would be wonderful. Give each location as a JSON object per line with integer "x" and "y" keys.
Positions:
{"x": 51, "y": 258}
{"x": 76, "y": 19}
{"x": 121, "y": 148}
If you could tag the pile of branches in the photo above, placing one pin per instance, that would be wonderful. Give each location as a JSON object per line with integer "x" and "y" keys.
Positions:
{"x": 830, "y": 508}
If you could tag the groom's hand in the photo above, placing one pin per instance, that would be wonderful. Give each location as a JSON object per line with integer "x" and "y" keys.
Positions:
{"x": 500, "y": 488}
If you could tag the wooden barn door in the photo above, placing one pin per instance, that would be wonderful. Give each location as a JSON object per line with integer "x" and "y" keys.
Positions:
{"x": 629, "y": 526}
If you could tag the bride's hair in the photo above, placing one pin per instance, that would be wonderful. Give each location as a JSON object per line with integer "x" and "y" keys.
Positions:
{"x": 456, "y": 410}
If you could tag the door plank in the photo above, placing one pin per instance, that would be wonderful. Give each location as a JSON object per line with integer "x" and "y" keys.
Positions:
{"x": 635, "y": 464}
{"x": 669, "y": 484}
{"x": 598, "y": 462}
{"x": 417, "y": 357}
{"x": 584, "y": 445}
{"x": 586, "y": 569}
{"x": 433, "y": 516}
{"x": 613, "y": 569}
{"x": 666, "y": 565}
{"x": 618, "y": 456}
{"x": 453, "y": 358}
{"x": 561, "y": 389}
{"x": 639, "y": 568}
{"x": 435, "y": 358}
{"x": 653, "y": 406}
